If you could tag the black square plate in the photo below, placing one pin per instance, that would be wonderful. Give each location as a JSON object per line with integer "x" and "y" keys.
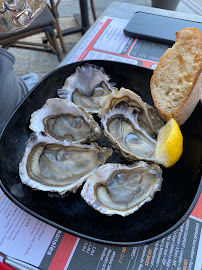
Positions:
{"x": 170, "y": 207}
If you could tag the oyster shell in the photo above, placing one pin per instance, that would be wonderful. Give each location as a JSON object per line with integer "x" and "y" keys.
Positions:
{"x": 122, "y": 129}
{"x": 130, "y": 124}
{"x": 148, "y": 117}
{"x": 58, "y": 166}
{"x": 121, "y": 189}
{"x": 86, "y": 86}
{"x": 65, "y": 121}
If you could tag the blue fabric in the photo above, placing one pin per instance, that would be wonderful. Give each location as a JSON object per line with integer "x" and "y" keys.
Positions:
{"x": 31, "y": 79}
{"x": 12, "y": 88}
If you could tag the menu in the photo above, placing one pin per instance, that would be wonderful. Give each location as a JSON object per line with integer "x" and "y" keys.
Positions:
{"x": 26, "y": 238}
{"x": 108, "y": 42}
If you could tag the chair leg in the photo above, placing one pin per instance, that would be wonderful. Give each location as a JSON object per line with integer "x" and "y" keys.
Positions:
{"x": 93, "y": 10}
{"x": 60, "y": 35}
{"x": 56, "y": 15}
{"x": 57, "y": 48}
{"x": 49, "y": 39}
{"x": 52, "y": 38}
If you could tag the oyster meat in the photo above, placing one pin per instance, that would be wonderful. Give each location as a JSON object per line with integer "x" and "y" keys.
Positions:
{"x": 148, "y": 117}
{"x": 121, "y": 189}
{"x": 86, "y": 86}
{"x": 65, "y": 121}
{"x": 130, "y": 125}
{"x": 122, "y": 129}
{"x": 58, "y": 166}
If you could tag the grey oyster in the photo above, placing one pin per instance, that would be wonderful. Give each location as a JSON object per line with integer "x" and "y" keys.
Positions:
{"x": 130, "y": 125}
{"x": 121, "y": 189}
{"x": 58, "y": 166}
{"x": 86, "y": 86}
{"x": 65, "y": 121}
{"x": 148, "y": 117}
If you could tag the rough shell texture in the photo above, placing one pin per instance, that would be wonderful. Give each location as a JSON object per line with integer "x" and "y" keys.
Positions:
{"x": 148, "y": 118}
{"x": 120, "y": 189}
{"x": 58, "y": 166}
{"x": 122, "y": 129}
{"x": 65, "y": 121}
{"x": 86, "y": 86}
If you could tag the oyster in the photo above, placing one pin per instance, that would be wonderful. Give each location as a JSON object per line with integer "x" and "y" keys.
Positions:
{"x": 86, "y": 86}
{"x": 130, "y": 125}
{"x": 121, "y": 189}
{"x": 148, "y": 117}
{"x": 122, "y": 129}
{"x": 58, "y": 166}
{"x": 65, "y": 121}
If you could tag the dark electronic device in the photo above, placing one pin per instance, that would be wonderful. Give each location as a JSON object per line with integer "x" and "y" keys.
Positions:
{"x": 157, "y": 28}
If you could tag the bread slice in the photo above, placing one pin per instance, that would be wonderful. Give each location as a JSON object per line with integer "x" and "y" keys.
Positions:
{"x": 176, "y": 84}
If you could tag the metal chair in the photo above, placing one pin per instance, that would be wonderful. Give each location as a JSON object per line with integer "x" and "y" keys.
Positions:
{"x": 44, "y": 23}
{"x": 82, "y": 19}
{"x": 54, "y": 10}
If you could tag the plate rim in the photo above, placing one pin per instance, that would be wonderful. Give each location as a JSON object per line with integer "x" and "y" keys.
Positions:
{"x": 101, "y": 241}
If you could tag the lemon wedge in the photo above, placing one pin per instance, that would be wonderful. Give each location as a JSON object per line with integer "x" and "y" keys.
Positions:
{"x": 169, "y": 145}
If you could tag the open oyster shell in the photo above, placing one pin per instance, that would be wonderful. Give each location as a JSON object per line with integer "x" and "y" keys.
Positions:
{"x": 148, "y": 117}
{"x": 58, "y": 166}
{"x": 122, "y": 129}
{"x": 86, "y": 86}
{"x": 65, "y": 121}
{"x": 121, "y": 189}
{"x": 131, "y": 125}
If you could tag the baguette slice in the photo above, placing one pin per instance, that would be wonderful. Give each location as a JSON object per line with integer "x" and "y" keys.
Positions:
{"x": 176, "y": 84}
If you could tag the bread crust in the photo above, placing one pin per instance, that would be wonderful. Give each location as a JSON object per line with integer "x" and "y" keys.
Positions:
{"x": 186, "y": 109}
{"x": 193, "y": 93}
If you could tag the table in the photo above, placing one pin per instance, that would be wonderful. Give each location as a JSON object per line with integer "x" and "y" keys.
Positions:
{"x": 125, "y": 11}
{"x": 27, "y": 238}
